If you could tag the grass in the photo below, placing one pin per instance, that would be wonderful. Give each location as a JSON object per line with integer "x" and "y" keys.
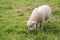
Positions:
{"x": 13, "y": 25}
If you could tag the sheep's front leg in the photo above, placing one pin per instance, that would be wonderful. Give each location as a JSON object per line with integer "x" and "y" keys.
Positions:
{"x": 41, "y": 26}
{"x": 36, "y": 26}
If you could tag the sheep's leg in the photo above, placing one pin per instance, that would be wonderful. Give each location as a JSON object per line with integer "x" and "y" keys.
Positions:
{"x": 49, "y": 18}
{"x": 36, "y": 26}
{"x": 41, "y": 26}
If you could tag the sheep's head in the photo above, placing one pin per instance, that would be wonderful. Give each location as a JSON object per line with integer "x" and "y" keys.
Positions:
{"x": 30, "y": 25}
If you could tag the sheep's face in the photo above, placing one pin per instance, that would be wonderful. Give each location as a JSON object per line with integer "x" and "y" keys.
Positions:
{"x": 31, "y": 25}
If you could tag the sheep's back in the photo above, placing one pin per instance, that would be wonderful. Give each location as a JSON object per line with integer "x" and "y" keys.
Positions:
{"x": 40, "y": 13}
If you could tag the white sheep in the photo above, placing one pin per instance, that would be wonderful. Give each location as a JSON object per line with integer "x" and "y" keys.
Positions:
{"x": 39, "y": 14}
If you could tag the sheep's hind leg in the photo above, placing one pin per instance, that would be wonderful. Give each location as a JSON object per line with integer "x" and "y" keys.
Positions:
{"x": 49, "y": 19}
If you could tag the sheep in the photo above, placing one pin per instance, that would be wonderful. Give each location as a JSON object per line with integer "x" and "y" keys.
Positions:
{"x": 39, "y": 15}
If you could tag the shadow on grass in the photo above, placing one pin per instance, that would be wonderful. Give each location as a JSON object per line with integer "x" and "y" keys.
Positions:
{"x": 34, "y": 32}
{"x": 51, "y": 28}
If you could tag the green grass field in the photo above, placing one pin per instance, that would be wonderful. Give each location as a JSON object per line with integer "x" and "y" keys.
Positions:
{"x": 15, "y": 13}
